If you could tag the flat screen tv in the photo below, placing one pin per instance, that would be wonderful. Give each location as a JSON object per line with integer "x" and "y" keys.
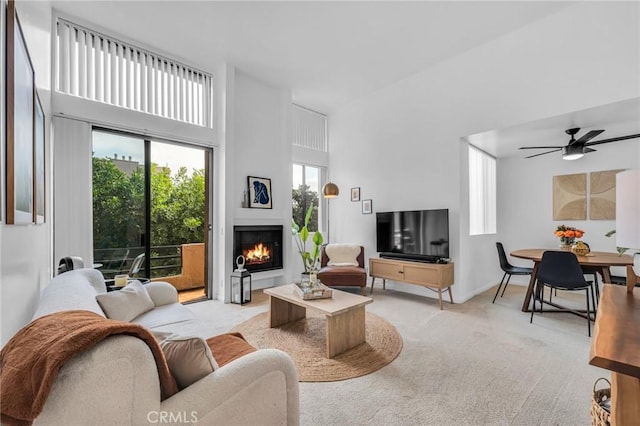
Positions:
{"x": 421, "y": 235}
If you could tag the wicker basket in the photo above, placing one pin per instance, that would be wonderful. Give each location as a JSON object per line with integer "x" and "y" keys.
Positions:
{"x": 600, "y": 400}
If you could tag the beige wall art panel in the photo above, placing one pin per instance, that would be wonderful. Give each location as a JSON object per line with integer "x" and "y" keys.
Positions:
{"x": 602, "y": 195}
{"x": 570, "y": 197}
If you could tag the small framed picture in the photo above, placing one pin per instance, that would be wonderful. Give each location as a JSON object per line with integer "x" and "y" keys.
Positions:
{"x": 259, "y": 192}
{"x": 355, "y": 194}
{"x": 366, "y": 207}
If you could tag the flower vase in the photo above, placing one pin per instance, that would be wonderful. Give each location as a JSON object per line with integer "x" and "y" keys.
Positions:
{"x": 566, "y": 243}
{"x": 313, "y": 278}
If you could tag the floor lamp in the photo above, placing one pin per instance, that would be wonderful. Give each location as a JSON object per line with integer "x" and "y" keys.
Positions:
{"x": 628, "y": 216}
{"x": 329, "y": 190}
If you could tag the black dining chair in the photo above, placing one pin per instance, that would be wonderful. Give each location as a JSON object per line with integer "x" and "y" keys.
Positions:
{"x": 593, "y": 271}
{"x": 561, "y": 270}
{"x": 508, "y": 269}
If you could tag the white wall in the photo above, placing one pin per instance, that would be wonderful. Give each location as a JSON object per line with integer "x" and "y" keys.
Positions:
{"x": 261, "y": 147}
{"x": 26, "y": 249}
{"x": 402, "y": 144}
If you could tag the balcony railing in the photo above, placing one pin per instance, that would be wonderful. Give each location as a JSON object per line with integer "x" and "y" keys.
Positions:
{"x": 180, "y": 265}
{"x": 165, "y": 260}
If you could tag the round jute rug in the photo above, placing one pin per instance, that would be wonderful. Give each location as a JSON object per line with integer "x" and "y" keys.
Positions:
{"x": 304, "y": 340}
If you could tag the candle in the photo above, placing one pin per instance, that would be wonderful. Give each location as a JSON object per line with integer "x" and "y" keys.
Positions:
{"x": 121, "y": 280}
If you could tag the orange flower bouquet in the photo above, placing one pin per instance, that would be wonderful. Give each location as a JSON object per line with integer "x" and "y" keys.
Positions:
{"x": 568, "y": 234}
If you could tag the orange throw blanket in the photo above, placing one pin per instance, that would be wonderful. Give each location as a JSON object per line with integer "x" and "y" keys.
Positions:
{"x": 31, "y": 360}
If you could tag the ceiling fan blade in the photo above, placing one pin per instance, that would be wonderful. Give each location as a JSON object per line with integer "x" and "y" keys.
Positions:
{"x": 543, "y": 153}
{"x": 587, "y": 137}
{"x": 620, "y": 138}
{"x": 540, "y": 147}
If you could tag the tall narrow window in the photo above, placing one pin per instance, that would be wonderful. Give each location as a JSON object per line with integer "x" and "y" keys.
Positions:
{"x": 309, "y": 140}
{"x": 482, "y": 192}
{"x": 306, "y": 187}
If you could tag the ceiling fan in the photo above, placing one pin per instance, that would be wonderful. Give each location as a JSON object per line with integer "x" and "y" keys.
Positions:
{"x": 576, "y": 148}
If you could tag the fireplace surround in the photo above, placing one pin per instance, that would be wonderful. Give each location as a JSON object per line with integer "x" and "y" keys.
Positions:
{"x": 261, "y": 246}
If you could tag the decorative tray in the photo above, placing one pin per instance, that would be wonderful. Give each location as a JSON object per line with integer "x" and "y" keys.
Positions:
{"x": 321, "y": 291}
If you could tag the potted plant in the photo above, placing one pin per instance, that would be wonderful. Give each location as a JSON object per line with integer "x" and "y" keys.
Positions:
{"x": 301, "y": 235}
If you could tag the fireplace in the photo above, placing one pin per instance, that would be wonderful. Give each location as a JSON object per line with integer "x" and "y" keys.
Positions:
{"x": 261, "y": 247}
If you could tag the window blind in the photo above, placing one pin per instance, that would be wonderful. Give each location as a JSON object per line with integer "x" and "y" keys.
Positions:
{"x": 309, "y": 129}
{"x": 482, "y": 192}
{"x": 100, "y": 68}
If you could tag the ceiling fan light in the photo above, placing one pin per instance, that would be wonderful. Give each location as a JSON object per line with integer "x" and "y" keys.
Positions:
{"x": 570, "y": 157}
{"x": 572, "y": 153}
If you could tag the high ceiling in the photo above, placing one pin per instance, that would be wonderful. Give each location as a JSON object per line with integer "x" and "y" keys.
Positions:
{"x": 328, "y": 53}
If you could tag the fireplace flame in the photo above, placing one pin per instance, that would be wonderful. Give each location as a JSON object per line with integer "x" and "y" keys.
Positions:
{"x": 259, "y": 253}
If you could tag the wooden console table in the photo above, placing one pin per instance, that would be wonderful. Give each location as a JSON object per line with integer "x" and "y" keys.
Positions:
{"x": 436, "y": 276}
{"x": 616, "y": 347}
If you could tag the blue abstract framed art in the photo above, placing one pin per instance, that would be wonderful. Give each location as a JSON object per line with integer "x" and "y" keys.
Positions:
{"x": 259, "y": 192}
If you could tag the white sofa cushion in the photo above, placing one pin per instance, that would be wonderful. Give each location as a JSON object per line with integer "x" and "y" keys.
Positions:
{"x": 75, "y": 289}
{"x": 189, "y": 358}
{"x": 162, "y": 293}
{"x": 342, "y": 254}
{"x": 127, "y": 303}
{"x": 170, "y": 317}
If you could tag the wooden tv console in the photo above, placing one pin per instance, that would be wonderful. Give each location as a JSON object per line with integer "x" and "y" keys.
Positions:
{"x": 437, "y": 276}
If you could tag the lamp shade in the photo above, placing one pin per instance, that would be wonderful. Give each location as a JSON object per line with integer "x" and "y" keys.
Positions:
{"x": 330, "y": 190}
{"x": 628, "y": 209}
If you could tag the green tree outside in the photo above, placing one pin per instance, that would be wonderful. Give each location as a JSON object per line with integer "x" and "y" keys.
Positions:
{"x": 177, "y": 209}
{"x": 302, "y": 198}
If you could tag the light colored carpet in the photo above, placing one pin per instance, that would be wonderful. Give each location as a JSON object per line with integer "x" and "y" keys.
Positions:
{"x": 305, "y": 341}
{"x": 475, "y": 363}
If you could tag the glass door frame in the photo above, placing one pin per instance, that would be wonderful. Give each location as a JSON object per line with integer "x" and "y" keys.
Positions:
{"x": 208, "y": 153}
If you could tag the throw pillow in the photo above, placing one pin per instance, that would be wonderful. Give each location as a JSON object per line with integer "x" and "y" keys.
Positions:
{"x": 126, "y": 304}
{"x": 188, "y": 358}
{"x": 228, "y": 347}
{"x": 342, "y": 254}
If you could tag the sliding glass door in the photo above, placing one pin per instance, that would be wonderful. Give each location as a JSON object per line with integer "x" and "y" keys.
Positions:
{"x": 150, "y": 205}
{"x": 177, "y": 223}
{"x": 119, "y": 207}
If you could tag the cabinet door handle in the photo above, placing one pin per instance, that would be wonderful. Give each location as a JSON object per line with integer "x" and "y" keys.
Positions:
{"x": 401, "y": 272}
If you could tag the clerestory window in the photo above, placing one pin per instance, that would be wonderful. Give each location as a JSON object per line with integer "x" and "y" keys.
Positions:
{"x": 101, "y": 68}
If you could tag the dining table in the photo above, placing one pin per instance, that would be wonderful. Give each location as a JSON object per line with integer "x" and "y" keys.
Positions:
{"x": 597, "y": 260}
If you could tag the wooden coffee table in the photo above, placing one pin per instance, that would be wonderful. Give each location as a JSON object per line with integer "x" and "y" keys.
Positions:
{"x": 344, "y": 313}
